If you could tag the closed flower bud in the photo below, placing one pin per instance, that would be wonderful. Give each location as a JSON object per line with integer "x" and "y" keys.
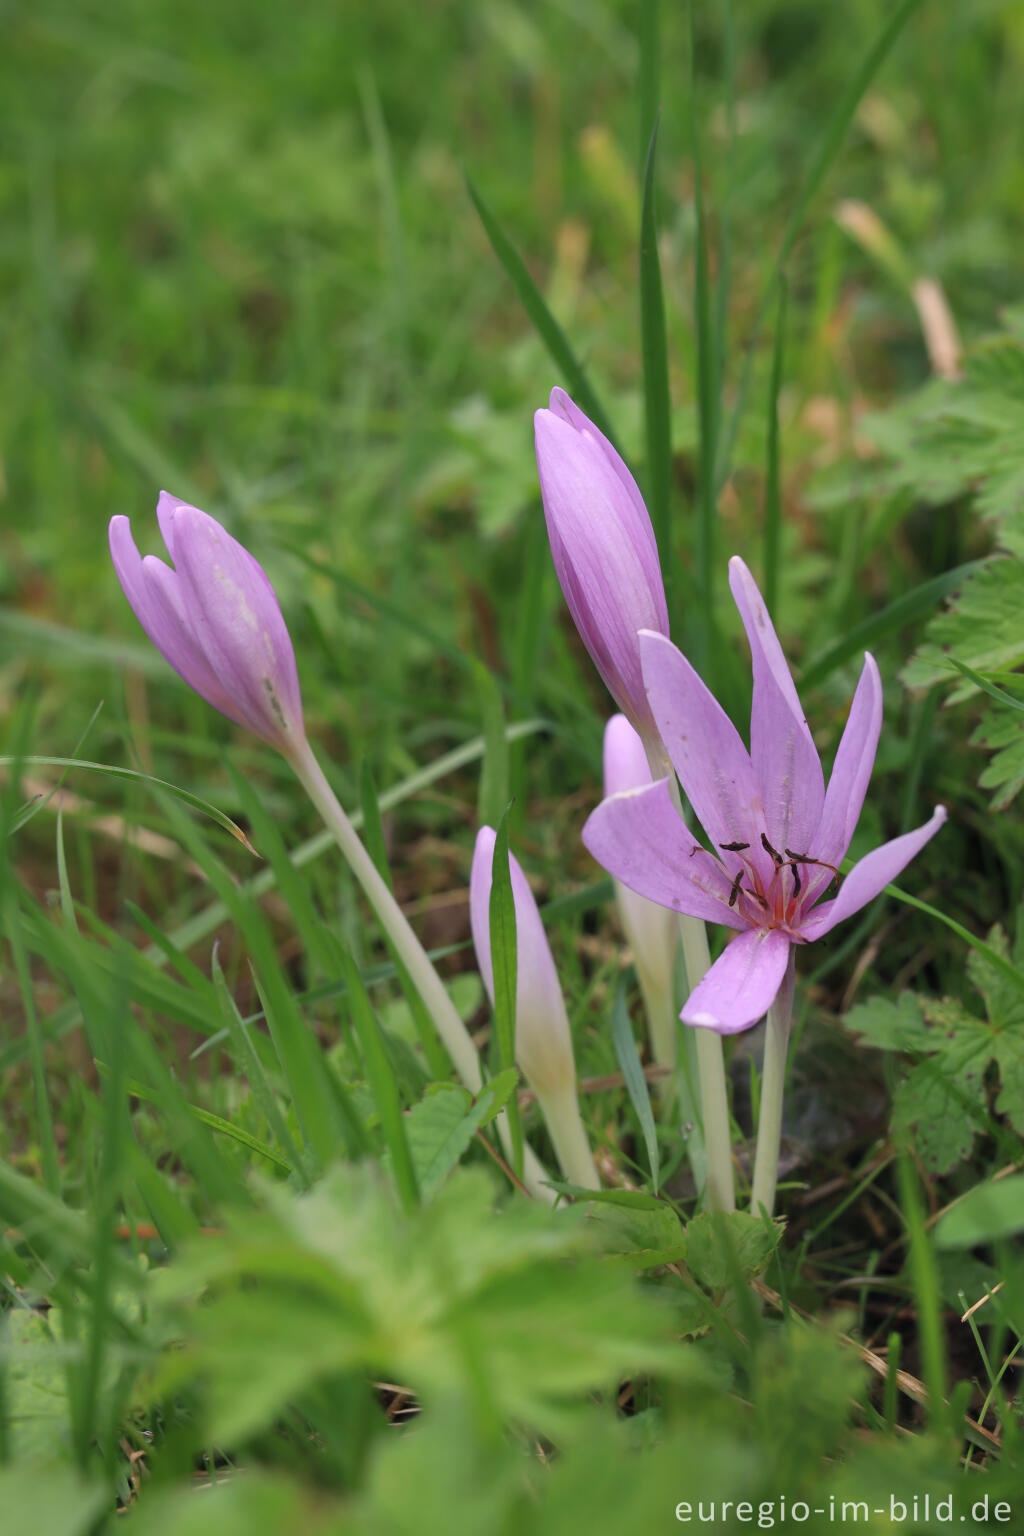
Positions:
{"x": 215, "y": 618}
{"x": 604, "y": 550}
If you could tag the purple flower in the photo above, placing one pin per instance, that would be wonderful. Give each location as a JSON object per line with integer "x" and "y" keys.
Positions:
{"x": 777, "y": 834}
{"x": 543, "y": 1043}
{"x": 215, "y": 618}
{"x": 604, "y": 549}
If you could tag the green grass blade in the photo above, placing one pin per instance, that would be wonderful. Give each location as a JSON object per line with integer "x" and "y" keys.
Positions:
{"x": 657, "y": 400}
{"x": 504, "y": 966}
{"x": 907, "y": 609}
{"x": 115, "y": 772}
{"x": 999, "y": 694}
{"x": 383, "y": 1083}
{"x": 773, "y": 488}
{"x": 493, "y": 794}
{"x": 649, "y": 76}
{"x": 540, "y": 316}
{"x": 13, "y": 928}
{"x": 707, "y": 392}
{"x": 636, "y": 1083}
{"x": 828, "y": 147}
{"x": 248, "y": 1064}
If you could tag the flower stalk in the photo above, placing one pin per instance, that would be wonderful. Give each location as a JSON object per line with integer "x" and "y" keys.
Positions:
{"x": 445, "y": 1016}
{"x": 773, "y": 1082}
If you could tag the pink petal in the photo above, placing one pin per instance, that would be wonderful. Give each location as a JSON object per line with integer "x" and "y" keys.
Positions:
{"x": 641, "y": 839}
{"x": 712, "y": 763}
{"x": 741, "y": 985}
{"x": 152, "y": 589}
{"x": 870, "y": 876}
{"x": 236, "y": 620}
{"x": 785, "y": 758}
{"x": 543, "y": 1039}
{"x": 641, "y": 527}
{"x": 603, "y": 548}
{"x": 851, "y": 771}
{"x": 625, "y": 760}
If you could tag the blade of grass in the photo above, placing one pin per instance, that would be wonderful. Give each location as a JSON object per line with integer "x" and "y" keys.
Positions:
{"x": 828, "y": 147}
{"x": 115, "y": 772}
{"x": 383, "y": 1083}
{"x": 248, "y": 1063}
{"x": 636, "y": 1083}
{"x": 649, "y": 75}
{"x": 906, "y": 609}
{"x": 999, "y": 694}
{"x": 540, "y": 316}
{"x": 773, "y": 490}
{"x": 504, "y": 964}
{"x": 708, "y": 403}
{"x": 654, "y": 346}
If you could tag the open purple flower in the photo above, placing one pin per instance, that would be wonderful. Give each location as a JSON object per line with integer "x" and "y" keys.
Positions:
{"x": 603, "y": 547}
{"x": 777, "y": 835}
{"x": 215, "y": 618}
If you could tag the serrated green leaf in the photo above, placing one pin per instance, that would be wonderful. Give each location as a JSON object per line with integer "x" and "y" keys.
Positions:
{"x": 440, "y": 1128}
{"x": 753, "y": 1242}
{"x": 890, "y": 1026}
{"x": 983, "y": 626}
{"x": 35, "y": 1387}
{"x": 644, "y": 1238}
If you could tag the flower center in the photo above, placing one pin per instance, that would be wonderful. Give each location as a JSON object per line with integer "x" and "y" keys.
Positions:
{"x": 779, "y": 902}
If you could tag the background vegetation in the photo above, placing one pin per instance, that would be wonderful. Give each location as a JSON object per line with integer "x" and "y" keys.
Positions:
{"x": 240, "y": 260}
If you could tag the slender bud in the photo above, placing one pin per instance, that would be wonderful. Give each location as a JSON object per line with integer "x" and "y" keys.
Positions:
{"x": 216, "y": 619}
{"x": 652, "y": 931}
{"x": 604, "y": 550}
{"x": 543, "y": 1041}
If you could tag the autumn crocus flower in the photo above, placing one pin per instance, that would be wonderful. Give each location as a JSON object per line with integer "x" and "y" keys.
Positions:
{"x": 604, "y": 550}
{"x": 215, "y": 618}
{"x": 543, "y": 1042}
{"x": 776, "y": 834}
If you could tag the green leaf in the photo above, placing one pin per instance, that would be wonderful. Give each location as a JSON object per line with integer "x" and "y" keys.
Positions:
{"x": 115, "y": 772}
{"x": 753, "y": 1241}
{"x": 657, "y": 399}
{"x": 636, "y": 1083}
{"x": 441, "y": 1127}
{"x": 991, "y": 1211}
{"x": 504, "y": 966}
{"x": 50, "y": 1499}
{"x": 890, "y": 1026}
{"x": 35, "y": 1387}
{"x": 642, "y": 1238}
{"x": 540, "y": 316}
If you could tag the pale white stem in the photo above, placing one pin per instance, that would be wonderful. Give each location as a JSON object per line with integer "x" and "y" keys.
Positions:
{"x": 720, "y": 1188}
{"x": 424, "y": 977}
{"x": 773, "y": 1080}
{"x": 561, "y": 1111}
{"x": 662, "y": 1021}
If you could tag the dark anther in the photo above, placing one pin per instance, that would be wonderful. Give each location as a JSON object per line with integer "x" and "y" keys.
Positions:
{"x": 735, "y": 888}
{"x": 734, "y": 847}
{"x": 766, "y": 845}
{"x": 796, "y": 879}
{"x": 800, "y": 858}
{"x": 757, "y": 897}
